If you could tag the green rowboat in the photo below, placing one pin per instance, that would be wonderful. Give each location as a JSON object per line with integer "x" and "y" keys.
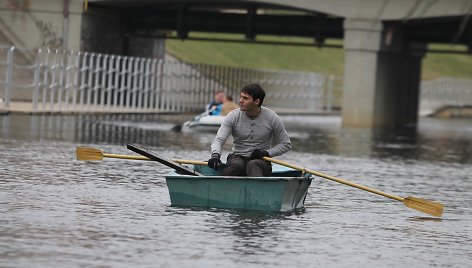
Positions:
{"x": 284, "y": 191}
{"x": 202, "y": 186}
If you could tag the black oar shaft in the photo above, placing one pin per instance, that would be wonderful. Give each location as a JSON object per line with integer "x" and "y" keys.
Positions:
{"x": 169, "y": 163}
{"x": 130, "y": 157}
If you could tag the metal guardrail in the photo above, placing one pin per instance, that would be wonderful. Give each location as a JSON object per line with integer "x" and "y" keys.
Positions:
{"x": 78, "y": 82}
{"x": 82, "y": 82}
{"x": 445, "y": 91}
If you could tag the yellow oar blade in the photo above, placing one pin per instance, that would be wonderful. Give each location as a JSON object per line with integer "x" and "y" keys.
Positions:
{"x": 88, "y": 154}
{"x": 425, "y": 206}
{"x": 92, "y": 154}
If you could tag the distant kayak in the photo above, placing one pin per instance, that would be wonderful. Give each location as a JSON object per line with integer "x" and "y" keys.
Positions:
{"x": 205, "y": 122}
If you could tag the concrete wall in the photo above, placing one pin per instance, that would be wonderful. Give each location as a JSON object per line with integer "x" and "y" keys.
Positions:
{"x": 41, "y": 24}
{"x": 28, "y": 25}
{"x": 45, "y": 24}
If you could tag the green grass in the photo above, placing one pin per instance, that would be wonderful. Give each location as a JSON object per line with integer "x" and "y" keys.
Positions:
{"x": 301, "y": 58}
{"x": 454, "y": 65}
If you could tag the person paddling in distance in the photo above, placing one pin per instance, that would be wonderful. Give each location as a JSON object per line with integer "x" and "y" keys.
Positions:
{"x": 253, "y": 128}
{"x": 228, "y": 105}
{"x": 216, "y": 104}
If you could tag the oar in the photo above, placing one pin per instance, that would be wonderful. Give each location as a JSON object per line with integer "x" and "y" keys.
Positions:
{"x": 423, "y": 205}
{"x": 147, "y": 153}
{"x": 92, "y": 154}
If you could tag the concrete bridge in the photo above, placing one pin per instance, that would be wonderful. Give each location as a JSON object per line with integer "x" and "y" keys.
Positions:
{"x": 384, "y": 40}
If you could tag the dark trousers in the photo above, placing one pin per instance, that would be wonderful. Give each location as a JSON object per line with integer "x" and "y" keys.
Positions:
{"x": 243, "y": 166}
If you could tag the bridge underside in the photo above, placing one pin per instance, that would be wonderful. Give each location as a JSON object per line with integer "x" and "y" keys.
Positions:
{"x": 176, "y": 19}
{"x": 383, "y": 57}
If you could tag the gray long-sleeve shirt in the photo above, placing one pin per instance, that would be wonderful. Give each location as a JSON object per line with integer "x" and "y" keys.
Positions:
{"x": 253, "y": 133}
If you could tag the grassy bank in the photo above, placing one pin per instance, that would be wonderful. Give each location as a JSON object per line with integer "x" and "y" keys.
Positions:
{"x": 303, "y": 58}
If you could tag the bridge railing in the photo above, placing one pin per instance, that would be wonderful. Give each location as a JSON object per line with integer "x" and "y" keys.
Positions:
{"x": 445, "y": 91}
{"x": 82, "y": 82}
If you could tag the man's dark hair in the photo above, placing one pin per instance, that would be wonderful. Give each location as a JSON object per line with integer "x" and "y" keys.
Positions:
{"x": 255, "y": 91}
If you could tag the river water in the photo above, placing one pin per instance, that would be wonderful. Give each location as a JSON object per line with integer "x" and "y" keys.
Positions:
{"x": 60, "y": 212}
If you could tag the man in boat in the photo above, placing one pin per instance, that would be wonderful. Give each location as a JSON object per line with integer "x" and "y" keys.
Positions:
{"x": 216, "y": 104}
{"x": 228, "y": 105}
{"x": 253, "y": 128}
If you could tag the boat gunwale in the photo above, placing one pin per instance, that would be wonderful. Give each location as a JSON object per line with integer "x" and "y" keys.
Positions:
{"x": 178, "y": 176}
{"x": 197, "y": 121}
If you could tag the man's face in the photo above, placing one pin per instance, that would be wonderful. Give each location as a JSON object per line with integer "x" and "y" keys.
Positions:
{"x": 247, "y": 103}
{"x": 220, "y": 97}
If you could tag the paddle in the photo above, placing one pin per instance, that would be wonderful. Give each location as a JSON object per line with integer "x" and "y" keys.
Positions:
{"x": 92, "y": 154}
{"x": 423, "y": 205}
{"x": 147, "y": 153}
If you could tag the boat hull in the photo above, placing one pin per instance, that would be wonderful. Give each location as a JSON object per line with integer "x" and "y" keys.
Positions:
{"x": 205, "y": 122}
{"x": 283, "y": 192}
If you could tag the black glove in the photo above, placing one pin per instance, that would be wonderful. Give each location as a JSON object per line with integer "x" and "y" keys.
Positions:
{"x": 258, "y": 154}
{"x": 214, "y": 162}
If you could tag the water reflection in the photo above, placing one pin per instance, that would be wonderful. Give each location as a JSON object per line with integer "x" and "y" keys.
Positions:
{"x": 425, "y": 142}
{"x": 57, "y": 211}
{"x": 432, "y": 140}
{"x": 426, "y": 219}
{"x": 250, "y": 229}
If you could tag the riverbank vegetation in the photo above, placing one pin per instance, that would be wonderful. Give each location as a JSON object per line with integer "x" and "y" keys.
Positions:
{"x": 323, "y": 60}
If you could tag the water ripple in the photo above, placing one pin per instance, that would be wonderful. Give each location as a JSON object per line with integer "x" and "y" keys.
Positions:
{"x": 57, "y": 211}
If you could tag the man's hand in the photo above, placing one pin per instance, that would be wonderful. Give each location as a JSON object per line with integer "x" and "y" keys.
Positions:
{"x": 258, "y": 154}
{"x": 214, "y": 162}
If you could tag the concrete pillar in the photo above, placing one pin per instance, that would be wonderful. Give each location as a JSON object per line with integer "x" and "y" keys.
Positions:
{"x": 381, "y": 79}
{"x": 102, "y": 32}
{"x": 146, "y": 47}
